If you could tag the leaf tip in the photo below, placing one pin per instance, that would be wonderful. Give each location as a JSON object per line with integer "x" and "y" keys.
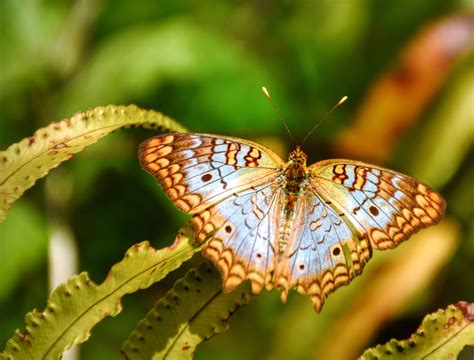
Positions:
{"x": 467, "y": 310}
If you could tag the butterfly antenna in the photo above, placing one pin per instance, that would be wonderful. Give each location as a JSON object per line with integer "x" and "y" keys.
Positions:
{"x": 342, "y": 101}
{"x": 267, "y": 94}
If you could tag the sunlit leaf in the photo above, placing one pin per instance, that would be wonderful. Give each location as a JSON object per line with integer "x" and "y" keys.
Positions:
{"x": 442, "y": 335}
{"x": 77, "y": 305}
{"x": 30, "y": 159}
{"x": 193, "y": 311}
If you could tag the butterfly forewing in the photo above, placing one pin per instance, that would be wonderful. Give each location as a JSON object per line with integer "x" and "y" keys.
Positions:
{"x": 199, "y": 170}
{"x": 384, "y": 206}
{"x": 233, "y": 189}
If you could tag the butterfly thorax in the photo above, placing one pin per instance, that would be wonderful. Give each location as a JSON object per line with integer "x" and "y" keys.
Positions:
{"x": 295, "y": 172}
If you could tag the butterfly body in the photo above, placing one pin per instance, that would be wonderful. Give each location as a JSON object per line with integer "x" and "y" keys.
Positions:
{"x": 294, "y": 176}
{"x": 286, "y": 225}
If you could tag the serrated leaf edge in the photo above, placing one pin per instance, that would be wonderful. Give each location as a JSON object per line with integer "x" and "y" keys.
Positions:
{"x": 244, "y": 298}
{"x": 21, "y": 338}
{"x": 467, "y": 313}
{"x": 62, "y": 139}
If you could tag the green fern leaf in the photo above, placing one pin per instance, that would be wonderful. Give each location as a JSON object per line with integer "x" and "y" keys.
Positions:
{"x": 193, "y": 311}
{"x": 30, "y": 159}
{"x": 77, "y": 305}
{"x": 442, "y": 335}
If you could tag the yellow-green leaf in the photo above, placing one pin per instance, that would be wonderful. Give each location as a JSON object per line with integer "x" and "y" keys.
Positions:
{"x": 193, "y": 311}
{"x": 30, "y": 159}
{"x": 77, "y": 305}
{"x": 442, "y": 335}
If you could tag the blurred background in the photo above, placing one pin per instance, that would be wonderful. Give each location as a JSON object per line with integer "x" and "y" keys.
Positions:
{"x": 407, "y": 68}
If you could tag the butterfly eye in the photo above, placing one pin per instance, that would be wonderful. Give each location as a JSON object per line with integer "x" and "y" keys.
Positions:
{"x": 373, "y": 210}
{"x": 336, "y": 251}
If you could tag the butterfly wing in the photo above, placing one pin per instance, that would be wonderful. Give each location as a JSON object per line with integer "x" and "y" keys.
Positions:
{"x": 383, "y": 206}
{"x": 346, "y": 209}
{"x": 233, "y": 189}
{"x": 243, "y": 238}
{"x": 199, "y": 170}
{"x": 322, "y": 252}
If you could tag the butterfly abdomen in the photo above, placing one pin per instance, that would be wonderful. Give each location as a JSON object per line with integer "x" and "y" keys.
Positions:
{"x": 287, "y": 218}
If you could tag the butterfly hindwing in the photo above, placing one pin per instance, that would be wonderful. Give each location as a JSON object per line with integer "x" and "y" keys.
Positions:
{"x": 322, "y": 252}
{"x": 198, "y": 170}
{"x": 242, "y": 231}
{"x": 384, "y": 206}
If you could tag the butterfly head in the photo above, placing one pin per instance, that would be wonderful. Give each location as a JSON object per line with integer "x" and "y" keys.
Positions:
{"x": 298, "y": 156}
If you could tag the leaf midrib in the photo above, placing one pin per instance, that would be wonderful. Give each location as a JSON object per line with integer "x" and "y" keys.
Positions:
{"x": 200, "y": 310}
{"x": 61, "y": 335}
{"x": 29, "y": 161}
{"x": 447, "y": 340}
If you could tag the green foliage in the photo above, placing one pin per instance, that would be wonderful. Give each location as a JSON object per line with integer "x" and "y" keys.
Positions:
{"x": 77, "y": 305}
{"x": 442, "y": 335}
{"x": 193, "y": 311}
{"x": 192, "y": 53}
{"x": 25, "y": 162}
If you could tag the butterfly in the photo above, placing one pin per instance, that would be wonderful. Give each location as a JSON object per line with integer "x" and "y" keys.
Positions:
{"x": 283, "y": 224}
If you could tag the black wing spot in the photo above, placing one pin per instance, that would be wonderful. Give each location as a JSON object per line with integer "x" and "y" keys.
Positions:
{"x": 301, "y": 267}
{"x": 373, "y": 210}
{"x": 206, "y": 177}
{"x": 228, "y": 229}
{"x": 336, "y": 251}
